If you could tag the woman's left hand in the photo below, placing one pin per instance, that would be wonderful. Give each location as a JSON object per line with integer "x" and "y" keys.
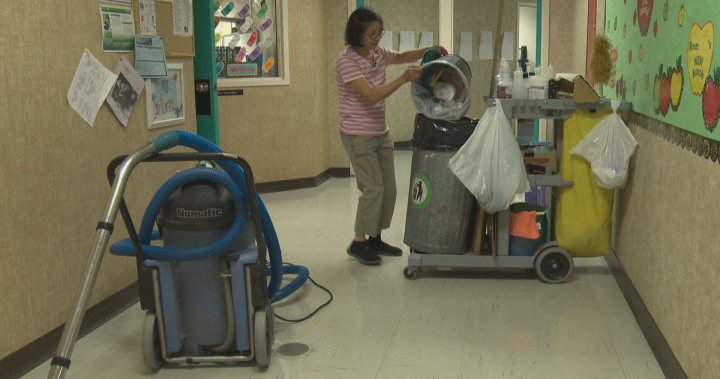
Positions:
{"x": 441, "y": 49}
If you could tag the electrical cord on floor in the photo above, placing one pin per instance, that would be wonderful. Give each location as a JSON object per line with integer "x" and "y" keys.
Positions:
{"x": 323, "y": 305}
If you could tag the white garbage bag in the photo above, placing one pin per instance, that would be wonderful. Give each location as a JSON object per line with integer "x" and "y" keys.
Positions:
{"x": 490, "y": 163}
{"x": 608, "y": 147}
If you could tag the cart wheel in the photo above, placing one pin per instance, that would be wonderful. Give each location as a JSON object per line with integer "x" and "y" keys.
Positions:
{"x": 553, "y": 265}
{"x": 410, "y": 273}
{"x": 151, "y": 342}
{"x": 263, "y": 338}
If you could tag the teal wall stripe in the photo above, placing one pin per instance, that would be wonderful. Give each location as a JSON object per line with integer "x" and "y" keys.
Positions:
{"x": 204, "y": 64}
{"x": 538, "y": 56}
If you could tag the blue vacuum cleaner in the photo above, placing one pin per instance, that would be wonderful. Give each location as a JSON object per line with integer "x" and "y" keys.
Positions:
{"x": 205, "y": 290}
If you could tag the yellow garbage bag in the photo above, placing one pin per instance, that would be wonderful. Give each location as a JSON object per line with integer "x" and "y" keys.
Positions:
{"x": 584, "y": 211}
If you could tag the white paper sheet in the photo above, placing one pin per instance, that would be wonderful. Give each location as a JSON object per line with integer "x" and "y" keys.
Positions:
{"x": 466, "y": 46}
{"x": 485, "y": 48}
{"x": 508, "y": 46}
{"x": 407, "y": 40}
{"x": 126, "y": 91}
{"x": 89, "y": 88}
{"x": 386, "y": 40}
{"x": 182, "y": 18}
{"x": 426, "y": 39}
{"x": 147, "y": 17}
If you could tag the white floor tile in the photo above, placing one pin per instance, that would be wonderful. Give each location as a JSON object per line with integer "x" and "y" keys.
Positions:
{"x": 381, "y": 325}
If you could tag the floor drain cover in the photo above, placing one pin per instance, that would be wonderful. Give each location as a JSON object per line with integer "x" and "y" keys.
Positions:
{"x": 292, "y": 349}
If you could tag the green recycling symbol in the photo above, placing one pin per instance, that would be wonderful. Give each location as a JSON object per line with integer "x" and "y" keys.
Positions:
{"x": 420, "y": 191}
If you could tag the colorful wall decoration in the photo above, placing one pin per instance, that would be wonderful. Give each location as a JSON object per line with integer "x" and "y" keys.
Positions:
{"x": 663, "y": 53}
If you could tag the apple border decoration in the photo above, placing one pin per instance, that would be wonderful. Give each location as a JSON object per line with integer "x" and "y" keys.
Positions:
{"x": 711, "y": 100}
{"x": 701, "y": 146}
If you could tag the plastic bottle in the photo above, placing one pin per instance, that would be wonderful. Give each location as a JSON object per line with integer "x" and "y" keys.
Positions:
{"x": 519, "y": 90}
{"x": 228, "y": 8}
{"x": 537, "y": 87}
{"x": 503, "y": 89}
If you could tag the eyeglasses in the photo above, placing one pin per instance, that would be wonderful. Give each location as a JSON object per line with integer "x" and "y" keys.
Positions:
{"x": 376, "y": 34}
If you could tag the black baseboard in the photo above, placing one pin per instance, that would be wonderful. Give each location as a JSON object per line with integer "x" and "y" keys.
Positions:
{"x": 293, "y": 184}
{"x": 403, "y": 145}
{"x": 663, "y": 353}
{"x": 35, "y": 353}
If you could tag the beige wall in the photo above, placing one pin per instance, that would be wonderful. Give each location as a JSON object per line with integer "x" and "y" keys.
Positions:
{"x": 667, "y": 242}
{"x": 54, "y": 165}
{"x": 405, "y": 15}
{"x": 54, "y": 187}
{"x": 53, "y": 182}
{"x": 283, "y": 130}
{"x": 476, "y": 16}
{"x": 568, "y": 31}
{"x": 666, "y": 239}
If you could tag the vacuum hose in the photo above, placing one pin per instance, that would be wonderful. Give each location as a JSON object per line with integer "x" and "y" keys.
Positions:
{"x": 233, "y": 178}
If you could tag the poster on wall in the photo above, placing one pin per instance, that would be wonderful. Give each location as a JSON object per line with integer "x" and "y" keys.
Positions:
{"x": 663, "y": 55}
{"x": 117, "y": 27}
{"x": 165, "y": 98}
{"x": 126, "y": 91}
{"x": 90, "y": 86}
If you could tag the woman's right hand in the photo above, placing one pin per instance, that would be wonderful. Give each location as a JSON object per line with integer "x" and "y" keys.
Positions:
{"x": 412, "y": 73}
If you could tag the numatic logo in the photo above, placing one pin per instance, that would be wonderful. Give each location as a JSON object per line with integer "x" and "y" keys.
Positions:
{"x": 208, "y": 213}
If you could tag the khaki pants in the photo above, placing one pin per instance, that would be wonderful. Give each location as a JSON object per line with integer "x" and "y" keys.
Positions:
{"x": 374, "y": 166}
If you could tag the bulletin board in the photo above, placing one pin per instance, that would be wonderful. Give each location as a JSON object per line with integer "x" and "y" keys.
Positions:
{"x": 663, "y": 53}
{"x": 175, "y": 46}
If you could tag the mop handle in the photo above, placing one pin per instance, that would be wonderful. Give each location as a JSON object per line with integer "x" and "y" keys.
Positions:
{"x": 60, "y": 362}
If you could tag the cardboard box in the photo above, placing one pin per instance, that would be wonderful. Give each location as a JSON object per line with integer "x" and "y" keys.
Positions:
{"x": 542, "y": 158}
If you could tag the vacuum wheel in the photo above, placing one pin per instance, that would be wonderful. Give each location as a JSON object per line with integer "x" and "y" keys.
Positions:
{"x": 554, "y": 265}
{"x": 151, "y": 342}
{"x": 410, "y": 273}
{"x": 264, "y": 336}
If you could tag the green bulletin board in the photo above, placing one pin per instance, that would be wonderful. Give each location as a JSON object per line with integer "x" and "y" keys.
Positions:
{"x": 663, "y": 52}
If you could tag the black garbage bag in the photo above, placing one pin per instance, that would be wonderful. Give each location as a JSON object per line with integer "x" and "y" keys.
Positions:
{"x": 436, "y": 134}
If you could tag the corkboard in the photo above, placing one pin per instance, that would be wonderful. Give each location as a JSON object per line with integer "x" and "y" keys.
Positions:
{"x": 175, "y": 46}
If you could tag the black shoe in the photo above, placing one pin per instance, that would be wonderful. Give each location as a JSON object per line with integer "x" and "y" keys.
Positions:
{"x": 364, "y": 253}
{"x": 383, "y": 248}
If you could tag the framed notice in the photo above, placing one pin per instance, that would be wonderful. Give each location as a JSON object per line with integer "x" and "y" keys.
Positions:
{"x": 166, "y": 98}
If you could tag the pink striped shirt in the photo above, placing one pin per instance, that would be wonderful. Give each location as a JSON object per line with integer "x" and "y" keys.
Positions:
{"x": 358, "y": 116}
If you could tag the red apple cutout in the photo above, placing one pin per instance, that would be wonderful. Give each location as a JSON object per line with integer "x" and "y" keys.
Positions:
{"x": 711, "y": 101}
{"x": 644, "y": 10}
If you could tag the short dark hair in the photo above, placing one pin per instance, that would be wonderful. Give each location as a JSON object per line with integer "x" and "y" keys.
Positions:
{"x": 357, "y": 24}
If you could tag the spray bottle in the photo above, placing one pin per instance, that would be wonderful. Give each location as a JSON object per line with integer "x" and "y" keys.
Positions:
{"x": 503, "y": 89}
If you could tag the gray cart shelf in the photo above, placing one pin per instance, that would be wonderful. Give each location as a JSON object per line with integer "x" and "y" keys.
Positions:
{"x": 552, "y": 263}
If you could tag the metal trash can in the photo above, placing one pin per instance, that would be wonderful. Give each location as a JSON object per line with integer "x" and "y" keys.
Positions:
{"x": 439, "y": 205}
{"x": 443, "y": 90}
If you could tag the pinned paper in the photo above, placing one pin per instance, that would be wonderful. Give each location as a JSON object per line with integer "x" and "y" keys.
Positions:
{"x": 266, "y": 39}
{"x": 268, "y": 64}
{"x": 128, "y": 87}
{"x": 252, "y": 39}
{"x": 247, "y": 24}
{"x": 240, "y": 55}
{"x": 219, "y": 67}
{"x": 243, "y": 11}
{"x": 426, "y": 39}
{"x": 407, "y": 40}
{"x": 90, "y": 86}
{"x": 508, "y": 46}
{"x": 254, "y": 54}
{"x": 234, "y": 41}
{"x": 228, "y": 8}
{"x": 386, "y": 40}
{"x": 261, "y": 12}
{"x": 485, "y": 48}
{"x": 466, "y": 46}
{"x": 265, "y": 24}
